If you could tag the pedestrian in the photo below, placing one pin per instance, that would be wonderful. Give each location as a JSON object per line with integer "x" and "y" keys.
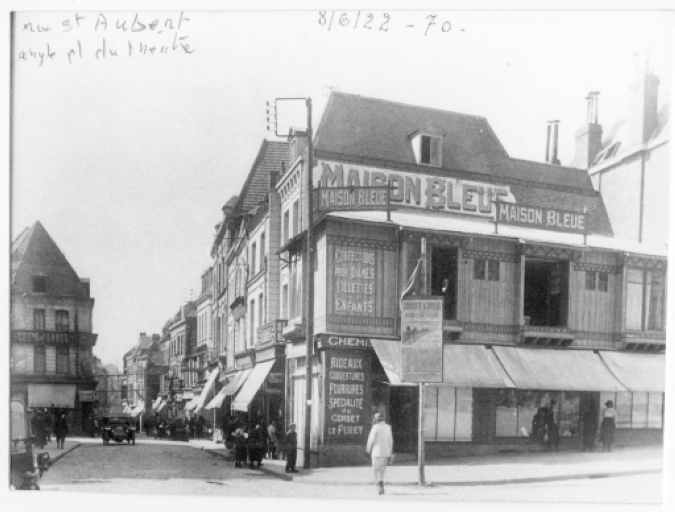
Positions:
{"x": 291, "y": 449}
{"x": 272, "y": 441}
{"x": 590, "y": 429}
{"x": 38, "y": 424}
{"x": 199, "y": 427}
{"x": 255, "y": 446}
{"x": 381, "y": 448}
{"x": 96, "y": 427}
{"x": 240, "y": 441}
{"x": 608, "y": 426}
{"x": 61, "y": 430}
{"x": 552, "y": 428}
{"x": 192, "y": 425}
{"x": 539, "y": 425}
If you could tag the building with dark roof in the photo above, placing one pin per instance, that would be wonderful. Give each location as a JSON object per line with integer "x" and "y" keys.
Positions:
{"x": 52, "y": 335}
{"x": 421, "y": 202}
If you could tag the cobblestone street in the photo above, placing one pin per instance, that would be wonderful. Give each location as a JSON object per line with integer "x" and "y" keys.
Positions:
{"x": 165, "y": 468}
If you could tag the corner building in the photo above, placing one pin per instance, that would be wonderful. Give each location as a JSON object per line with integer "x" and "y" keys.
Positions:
{"x": 537, "y": 304}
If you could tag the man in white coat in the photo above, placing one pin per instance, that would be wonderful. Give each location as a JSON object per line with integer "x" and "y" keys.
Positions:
{"x": 381, "y": 448}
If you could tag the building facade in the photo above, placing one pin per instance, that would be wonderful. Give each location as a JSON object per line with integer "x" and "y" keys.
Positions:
{"x": 52, "y": 337}
{"x": 182, "y": 358}
{"x": 540, "y": 299}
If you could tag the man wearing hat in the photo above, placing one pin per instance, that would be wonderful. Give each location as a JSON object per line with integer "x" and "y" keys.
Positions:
{"x": 381, "y": 448}
{"x": 291, "y": 449}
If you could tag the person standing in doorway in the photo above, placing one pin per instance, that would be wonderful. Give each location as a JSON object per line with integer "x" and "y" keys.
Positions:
{"x": 608, "y": 426}
{"x": 291, "y": 449}
{"x": 61, "y": 430}
{"x": 272, "y": 441}
{"x": 448, "y": 298}
{"x": 381, "y": 448}
{"x": 590, "y": 429}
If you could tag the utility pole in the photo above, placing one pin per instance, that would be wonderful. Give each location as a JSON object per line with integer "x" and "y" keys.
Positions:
{"x": 308, "y": 268}
{"x": 420, "y": 418}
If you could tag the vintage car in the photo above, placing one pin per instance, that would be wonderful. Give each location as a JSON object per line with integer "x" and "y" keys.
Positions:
{"x": 118, "y": 428}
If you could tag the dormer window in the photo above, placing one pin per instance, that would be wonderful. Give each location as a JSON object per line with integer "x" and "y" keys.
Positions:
{"x": 430, "y": 150}
{"x": 39, "y": 284}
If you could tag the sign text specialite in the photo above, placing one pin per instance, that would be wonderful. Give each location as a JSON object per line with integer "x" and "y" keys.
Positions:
{"x": 348, "y": 411}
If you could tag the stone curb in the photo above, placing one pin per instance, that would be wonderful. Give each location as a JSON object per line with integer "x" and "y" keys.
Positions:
{"x": 53, "y": 461}
{"x": 509, "y": 481}
{"x": 262, "y": 469}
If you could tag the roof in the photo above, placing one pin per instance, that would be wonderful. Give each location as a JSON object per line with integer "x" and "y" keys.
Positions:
{"x": 269, "y": 159}
{"x": 376, "y": 132}
{"x": 614, "y": 141}
{"x": 34, "y": 252}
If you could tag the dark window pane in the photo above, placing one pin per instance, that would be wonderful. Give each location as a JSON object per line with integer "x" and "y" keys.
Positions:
{"x": 39, "y": 359}
{"x": 39, "y": 319}
{"x": 40, "y": 284}
{"x": 62, "y": 359}
{"x": 425, "y": 147}
{"x": 603, "y": 281}
{"x": 479, "y": 269}
{"x": 493, "y": 270}
{"x": 62, "y": 321}
{"x": 590, "y": 280}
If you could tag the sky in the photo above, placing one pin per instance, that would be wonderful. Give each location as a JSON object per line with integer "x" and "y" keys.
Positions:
{"x": 128, "y": 159}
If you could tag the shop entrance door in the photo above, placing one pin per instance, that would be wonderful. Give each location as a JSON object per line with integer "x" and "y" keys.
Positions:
{"x": 404, "y": 405}
{"x": 484, "y": 416}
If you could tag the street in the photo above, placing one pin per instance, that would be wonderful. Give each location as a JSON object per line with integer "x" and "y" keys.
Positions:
{"x": 165, "y": 468}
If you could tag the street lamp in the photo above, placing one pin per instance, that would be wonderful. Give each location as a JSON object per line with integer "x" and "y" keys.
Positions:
{"x": 308, "y": 267}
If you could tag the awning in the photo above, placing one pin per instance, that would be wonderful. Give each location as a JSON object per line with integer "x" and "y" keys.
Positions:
{"x": 192, "y": 403}
{"x": 156, "y": 404}
{"x": 207, "y": 389}
{"x": 473, "y": 366}
{"x": 161, "y": 406}
{"x": 559, "y": 370}
{"x": 252, "y": 385}
{"x": 391, "y": 357}
{"x": 140, "y": 407}
{"x": 638, "y": 372}
{"x": 126, "y": 409}
{"x": 230, "y": 389}
{"x": 51, "y": 395}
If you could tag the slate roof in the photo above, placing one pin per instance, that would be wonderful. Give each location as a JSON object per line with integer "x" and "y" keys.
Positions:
{"x": 614, "y": 141}
{"x": 377, "y": 132}
{"x": 255, "y": 189}
{"x": 35, "y": 252}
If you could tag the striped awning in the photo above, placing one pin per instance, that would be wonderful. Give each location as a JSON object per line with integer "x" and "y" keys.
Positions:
{"x": 252, "y": 385}
{"x": 230, "y": 389}
{"x": 207, "y": 389}
{"x": 638, "y": 372}
{"x": 157, "y": 403}
{"x": 561, "y": 370}
{"x": 391, "y": 358}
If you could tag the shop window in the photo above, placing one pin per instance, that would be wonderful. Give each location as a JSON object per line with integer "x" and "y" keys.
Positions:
{"x": 639, "y": 412}
{"x": 448, "y": 414}
{"x": 62, "y": 359}
{"x": 507, "y": 413}
{"x": 655, "y": 410}
{"x": 39, "y": 359}
{"x": 623, "y": 405}
{"x": 597, "y": 280}
{"x": 603, "y": 281}
{"x": 645, "y": 295}
{"x": 590, "y": 279}
{"x": 546, "y": 292}
{"x": 39, "y": 319}
{"x": 493, "y": 267}
{"x": 444, "y": 278}
{"x": 430, "y": 150}
{"x": 62, "y": 321}
{"x": 39, "y": 284}
{"x": 569, "y": 419}
{"x": 529, "y": 402}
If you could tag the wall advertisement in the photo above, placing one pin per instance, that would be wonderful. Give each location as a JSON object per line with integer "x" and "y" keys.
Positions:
{"x": 422, "y": 339}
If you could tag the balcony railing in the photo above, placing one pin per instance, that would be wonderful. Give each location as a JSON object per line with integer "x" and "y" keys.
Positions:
{"x": 82, "y": 338}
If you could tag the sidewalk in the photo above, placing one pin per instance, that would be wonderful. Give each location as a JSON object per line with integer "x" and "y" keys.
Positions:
{"x": 54, "y": 453}
{"x": 498, "y": 469}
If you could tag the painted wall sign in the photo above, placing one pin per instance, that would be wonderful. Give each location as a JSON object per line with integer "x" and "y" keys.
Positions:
{"x": 541, "y": 218}
{"x": 422, "y": 339}
{"x": 86, "y": 395}
{"x": 347, "y": 391}
{"x": 351, "y": 198}
{"x": 327, "y": 341}
{"x": 419, "y": 190}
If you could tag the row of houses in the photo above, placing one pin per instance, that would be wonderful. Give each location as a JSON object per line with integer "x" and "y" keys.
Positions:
{"x": 553, "y": 279}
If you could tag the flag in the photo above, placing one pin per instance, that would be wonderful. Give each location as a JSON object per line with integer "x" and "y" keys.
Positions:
{"x": 412, "y": 287}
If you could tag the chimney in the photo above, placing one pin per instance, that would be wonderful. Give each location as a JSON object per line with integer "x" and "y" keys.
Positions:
{"x": 642, "y": 107}
{"x": 552, "y": 150}
{"x": 589, "y": 138}
{"x": 142, "y": 335}
{"x": 274, "y": 177}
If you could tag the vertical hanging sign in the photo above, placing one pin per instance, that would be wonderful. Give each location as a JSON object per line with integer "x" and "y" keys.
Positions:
{"x": 422, "y": 339}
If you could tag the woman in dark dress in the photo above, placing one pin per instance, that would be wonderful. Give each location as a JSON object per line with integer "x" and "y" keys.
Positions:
{"x": 240, "y": 448}
{"x": 608, "y": 426}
